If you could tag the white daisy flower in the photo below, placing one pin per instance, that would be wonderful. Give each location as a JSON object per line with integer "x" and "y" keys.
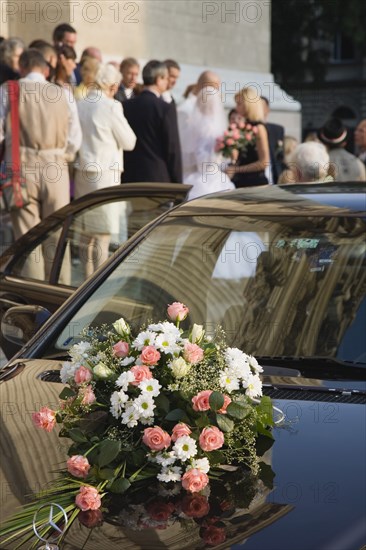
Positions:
{"x": 165, "y": 458}
{"x": 151, "y": 387}
{"x": 228, "y": 381}
{"x": 145, "y": 338}
{"x": 253, "y": 363}
{"x": 127, "y": 361}
{"x": 185, "y": 447}
{"x": 124, "y": 380}
{"x": 144, "y": 405}
{"x": 130, "y": 417}
{"x": 67, "y": 371}
{"x": 166, "y": 343}
{"x": 254, "y": 386}
{"x": 172, "y": 473}
{"x": 118, "y": 401}
{"x": 202, "y": 464}
{"x": 169, "y": 328}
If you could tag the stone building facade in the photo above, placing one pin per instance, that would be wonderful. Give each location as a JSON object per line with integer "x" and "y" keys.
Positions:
{"x": 231, "y": 38}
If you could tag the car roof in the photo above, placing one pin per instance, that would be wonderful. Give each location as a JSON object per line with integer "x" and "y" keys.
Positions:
{"x": 290, "y": 199}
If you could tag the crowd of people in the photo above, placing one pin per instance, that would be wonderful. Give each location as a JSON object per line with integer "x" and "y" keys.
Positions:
{"x": 98, "y": 125}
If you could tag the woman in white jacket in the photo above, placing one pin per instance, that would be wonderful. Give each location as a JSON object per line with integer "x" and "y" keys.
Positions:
{"x": 106, "y": 134}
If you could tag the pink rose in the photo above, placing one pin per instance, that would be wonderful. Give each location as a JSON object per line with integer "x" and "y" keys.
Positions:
{"x": 88, "y": 396}
{"x": 177, "y": 311}
{"x": 211, "y": 438}
{"x": 180, "y": 430}
{"x": 78, "y": 466}
{"x": 248, "y": 126}
{"x": 241, "y": 125}
{"x": 194, "y": 480}
{"x": 230, "y": 142}
{"x": 201, "y": 401}
{"x": 233, "y": 126}
{"x": 45, "y": 419}
{"x": 88, "y": 498}
{"x": 140, "y": 372}
{"x": 255, "y": 130}
{"x": 195, "y": 506}
{"x": 121, "y": 349}
{"x": 236, "y": 135}
{"x": 192, "y": 353}
{"x": 91, "y": 518}
{"x": 82, "y": 375}
{"x": 156, "y": 439}
{"x": 150, "y": 355}
{"x": 248, "y": 137}
{"x": 227, "y": 402}
{"x": 214, "y": 535}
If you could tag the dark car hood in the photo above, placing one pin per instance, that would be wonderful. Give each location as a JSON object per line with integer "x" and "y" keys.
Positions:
{"x": 318, "y": 499}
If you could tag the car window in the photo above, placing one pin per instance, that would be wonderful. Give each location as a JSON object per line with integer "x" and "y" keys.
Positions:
{"x": 96, "y": 234}
{"x": 289, "y": 286}
{"x": 92, "y": 236}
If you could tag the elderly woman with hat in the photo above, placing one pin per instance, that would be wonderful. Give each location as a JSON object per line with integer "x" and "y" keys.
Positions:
{"x": 345, "y": 166}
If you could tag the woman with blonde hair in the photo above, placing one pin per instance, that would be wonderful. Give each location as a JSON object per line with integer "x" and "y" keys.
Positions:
{"x": 106, "y": 134}
{"x": 255, "y": 157}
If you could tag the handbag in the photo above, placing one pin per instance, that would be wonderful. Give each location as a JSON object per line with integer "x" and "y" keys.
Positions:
{"x": 13, "y": 187}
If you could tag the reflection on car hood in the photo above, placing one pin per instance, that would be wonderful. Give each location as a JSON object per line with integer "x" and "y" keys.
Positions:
{"x": 275, "y": 200}
{"x": 318, "y": 458}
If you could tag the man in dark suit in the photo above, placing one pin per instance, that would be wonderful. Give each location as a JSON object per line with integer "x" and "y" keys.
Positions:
{"x": 157, "y": 155}
{"x": 130, "y": 70}
{"x": 276, "y": 134}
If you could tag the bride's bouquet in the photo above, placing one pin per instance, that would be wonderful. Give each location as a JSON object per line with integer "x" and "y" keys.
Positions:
{"x": 164, "y": 404}
{"x": 236, "y": 139}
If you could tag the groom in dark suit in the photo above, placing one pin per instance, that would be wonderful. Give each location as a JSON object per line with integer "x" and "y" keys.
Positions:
{"x": 157, "y": 155}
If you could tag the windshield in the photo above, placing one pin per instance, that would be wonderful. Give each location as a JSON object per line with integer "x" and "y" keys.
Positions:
{"x": 278, "y": 286}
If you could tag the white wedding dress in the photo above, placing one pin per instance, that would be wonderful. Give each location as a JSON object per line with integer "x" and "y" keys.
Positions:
{"x": 199, "y": 129}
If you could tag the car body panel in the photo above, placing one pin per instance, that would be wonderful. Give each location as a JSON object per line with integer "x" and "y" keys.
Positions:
{"x": 317, "y": 501}
{"x": 319, "y": 453}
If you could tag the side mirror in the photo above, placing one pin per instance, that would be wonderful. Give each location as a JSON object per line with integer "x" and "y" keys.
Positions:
{"x": 20, "y": 323}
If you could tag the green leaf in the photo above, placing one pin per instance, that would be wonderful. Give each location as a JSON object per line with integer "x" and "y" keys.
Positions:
{"x": 77, "y": 435}
{"x": 216, "y": 400}
{"x": 108, "y": 450}
{"x": 162, "y": 402}
{"x": 137, "y": 457}
{"x": 264, "y": 431}
{"x": 106, "y": 473}
{"x": 216, "y": 457}
{"x": 66, "y": 393}
{"x": 237, "y": 410}
{"x": 202, "y": 421}
{"x": 224, "y": 423}
{"x": 265, "y": 410}
{"x": 175, "y": 414}
{"x": 120, "y": 485}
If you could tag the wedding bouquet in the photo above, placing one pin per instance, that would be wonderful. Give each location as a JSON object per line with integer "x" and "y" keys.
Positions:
{"x": 236, "y": 139}
{"x": 165, "y": 404}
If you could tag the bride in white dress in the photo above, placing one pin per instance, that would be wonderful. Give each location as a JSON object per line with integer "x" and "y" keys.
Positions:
{"x": 202, "y": 166}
